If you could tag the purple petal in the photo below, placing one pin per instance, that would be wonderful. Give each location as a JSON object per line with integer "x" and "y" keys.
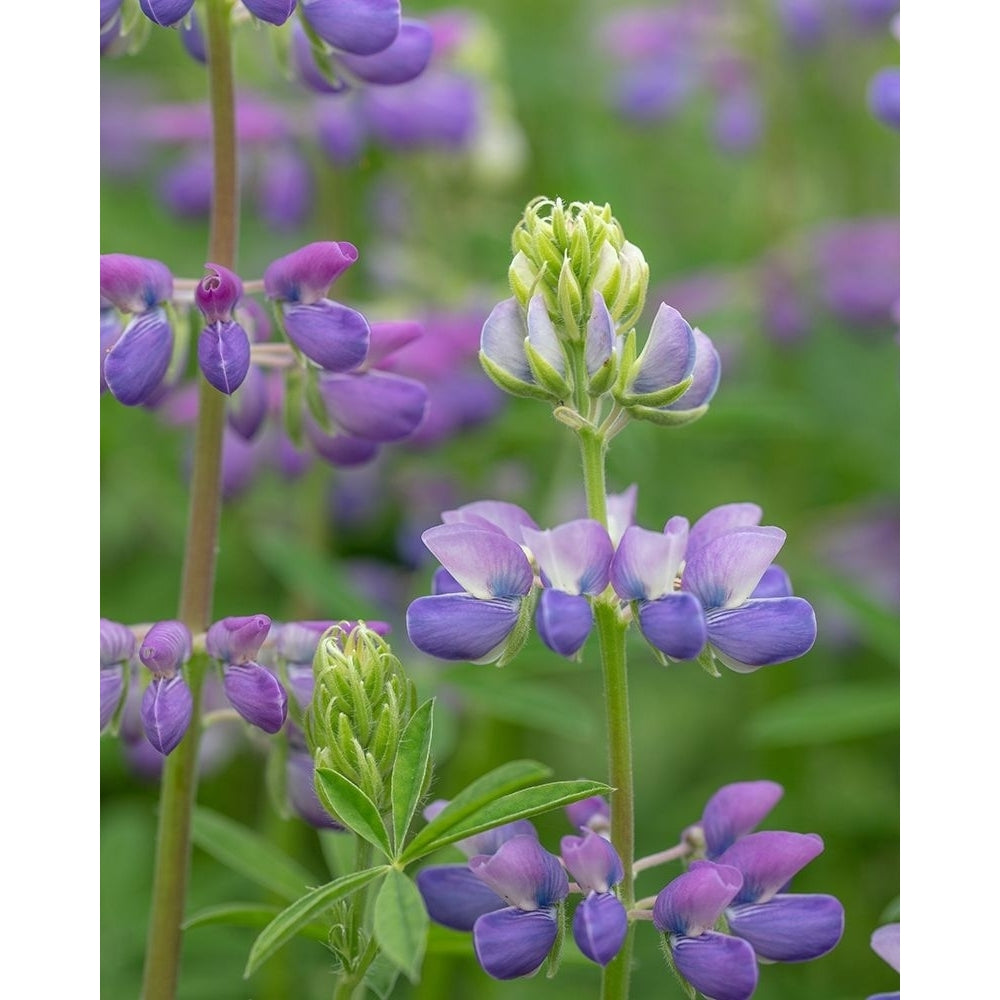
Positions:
{"x": 523, "y": 873}
{"x": 706, "y": 373}
{"x": 285, "y": 189}
{"x": 442, "y": 582}
{"x": 593, "y": 812}
{"x": 692, "y": 902}
{"x": 599, "y": 926}
{"x": 257, "y": 695}
{"x": 405, "y": 59}
{"x": 646, "y": 563}
{"x": 724, "y": 572}
{"x": 762, "y": 632}
{"x": 885, "y": 944}
{"x": 302, "y": 793}
{"x": 789, "y": 928}
{"x": 136, "y": 365}
{"x": 358, "y": 26}
{"x": 503, "y": 337}
{"x": 564, "y": 621}
{"x": 341, "y": 449}
{"x": 272, "y": 11}
{"x": 376, "y": 406}
{"x": 247, "y": 409}
{"x": 296, "y": 642}
{"x": 460, "y": 627}
{"x": 494, "y": 515}
{"x": 166, "y": 647}
{"x": 592, "y": 861}
{"x": 490, "y": 841}
{"x": 108, "y": 10}
{"x": 333, "y": 335}
{"x": 600, "y": 335}
{"x": 301, "y": 682}
{"x": 768, "y": 859}
{"x": 720, "y": 520}
{"x": 719, "y": 966}
{"x": 510, "y": 943}
{"x": 883, "y": 96}
{"x": 675, "y": 625}
{"x": 165, "y": 12}
{"x": 486, "y": 563}
{"x": 621, "y": 511}
{"x": 390, "y": 336}
{"x": 117, "y": 643}
{"x": 193, "y": 39}
{"x": 575, "y": 557}
{"x": 885, "y": 996}
{"x": 217, "y": 293}
{"x": 669, "y": 354}
{"x": 185, "y": 187}
{"x": 167, "y": 707}
{"x": 112, "y": 685}
{"x": 774, "y": 583}
{"x": 111, "y": 330}
{"x": 340, "y": 129}
{"x": 734, "y": 810}
{"x": 238, "y": 638}
{"x": 305, "y": 275}
{"x": 307, "y": 69}
{"x": 542, "y": 334}
{"x": 454, "y": 897}
{"x": 224, "y": 355}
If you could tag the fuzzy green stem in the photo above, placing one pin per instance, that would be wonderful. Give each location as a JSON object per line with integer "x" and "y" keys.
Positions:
{"x": 179, "y": 781}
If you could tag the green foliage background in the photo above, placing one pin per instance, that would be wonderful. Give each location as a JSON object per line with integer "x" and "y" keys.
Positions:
{"x": 808, "y": 431}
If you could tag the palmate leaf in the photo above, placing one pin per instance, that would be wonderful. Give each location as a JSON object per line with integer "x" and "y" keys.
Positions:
{"x": 401, "y": 923}
{"x": 246, "y": 852}
{"x": 409, "y": 771}
{"x": 300, "y": 914}
{"x": 342, "y": 797}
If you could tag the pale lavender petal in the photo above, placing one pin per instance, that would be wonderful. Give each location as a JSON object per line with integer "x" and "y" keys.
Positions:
{"x": 111, "y": 330}
{"x": 592, "y": 861}
{"x": 224, "y": 355}
{"x": 884, "y": 996}
{"x": 646, "y": 563}
{"x": 706, "y": 373}
{"x": 167, "y": 707}
{"x": 774, "y": 583}
{"x": 542, "y": 334}
{"x": 762, "y": 632}
{"x": 297, "y": 641}
{"x": 885, "y": 944}
{"x": 305, "y": 275}
{"x": 669, "y": 354}
{"x": 117, "y": 643}
{"x": 454, "y": 897}
{"x": 486, "y": 563}
{"x": 301, "y": 682}
{"x": 510, "y": 943}
{"x": 112, "y": 685}
{"x": 724, "y": 571}
{"x": 593, "y": 812}
{"x": 600, "y": 335}
{"x": 789, "y": 928}
{"x": 523, "y": 873}
{"x": 136, "y": 365}
{"x": 238, "y": 638}
{"x": 494, "y": 515}
{"x": 460, "y": 627}
{"x": 257, "y": 695}
{"x": 390, "y": 336}
{"x": 883, "y": 96}
{"x": 718, "y": 521}
{"x": 490, "y": 841}
{"x": 692, "y": 902}
{"x": 675, "y": 625}
{"x": 768, "y": 859}
{"x": 166, "y": 647}
{"x": 359, "y": 26}
{"x": 563, "y": 621}
{"x": 621, "y": 511}
{"x": 503, "y": 337}
{"x": 599, "y": 926}
{"x": 574, "y": 557}
{"x": 272, "y": 11}
{"x": 734, "y": 810}
{"x": 719, "y": 966}
{"x": 333, "y": 335}
{"x": 302, "y": 795}
{"x": 405, "y": 59}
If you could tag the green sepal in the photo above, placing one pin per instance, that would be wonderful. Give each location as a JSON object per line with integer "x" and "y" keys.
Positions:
{"x": 604, "y": 377}
{"x": 572, "y": 419}
{"x": 579, "y": 254}
{"x": 706, "y": 660}
{"x": 116, "y": 717}
{"x": 523, "y": 278}
{"x": 659, "y": 397}
{"x": 513, "y": 385}
{"x": 401, "y": 923}
{"x": 276, "y": 776}
{"x": 292, "y": 410}
{"x": 545, "y": 374}
{"x": 689, "y": 990}
{"x": 607, "y": 277}
{"x": 354, "y": 808}
{"x": 547, "y": 252}
{"x": 411, "y": 770}
{"x": 625, "y": 363}
{"x": 186, "y": 328}
{"x": 555, "y": 952}
{"x": 521, "y": 630}
{"x": 315, "y": 402}
{"x": 667, "y": 418}
{"x": 569, "y": 297}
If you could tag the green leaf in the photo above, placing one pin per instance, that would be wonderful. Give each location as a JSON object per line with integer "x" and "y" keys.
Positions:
{"x": 300, "y": 914}
{"x": 248, "y": 853}
{"x": 381, "y": 976}
{"x": 517, "y": 805}
{"x": 247, "y": 915}
{"x": 822, "y": 715}
{"x": 409, "y": 771}
{"x": 401, "y": 923}
{"x": 506, "y": 778}
{"x": 354, "y": 808}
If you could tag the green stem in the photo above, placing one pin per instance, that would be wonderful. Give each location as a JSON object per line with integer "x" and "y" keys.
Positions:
{"x": 179, "y": 781}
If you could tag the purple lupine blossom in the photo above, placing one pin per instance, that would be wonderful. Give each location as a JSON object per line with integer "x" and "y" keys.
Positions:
{"x": 223, "y": 345}
{"x": 362, "y": 27}
{"x": 593, "y": 813}
{"x": 185, "y": 187}
{"x": 719, "y": 965}
{"x": 300, "y": 776}
{"x": 134, "y": 284}
{"x": 167, "y": 704}
{"x": 117, "y": 646}
{"x": 600, "y": 921}
{"x": 780, "y": 926}
{"x": 404, "y": 59}
{"x": 803, "y": 21}
{"x": 284, "y": 189}
{"x": 165, "y": 13}
{"x": 193, "y": 38}
{"x": 733, "y": 812}
{"x": 273, "y": 11}
{"x": 883, "y": 96}
{"x": 885, "y": 944}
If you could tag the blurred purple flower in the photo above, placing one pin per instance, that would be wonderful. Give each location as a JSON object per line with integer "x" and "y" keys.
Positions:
{"x": 883, "y": 96}
{"x": 885, "y": 944}
{"x": 165, "y": 13}
{"x": 117, "y": 646}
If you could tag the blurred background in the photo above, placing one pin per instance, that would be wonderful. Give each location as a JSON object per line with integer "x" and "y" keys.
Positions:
{"x": 747, "y": 148}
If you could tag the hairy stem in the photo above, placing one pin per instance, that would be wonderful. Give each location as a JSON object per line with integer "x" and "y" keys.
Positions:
{"x": 179, "y": 781}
